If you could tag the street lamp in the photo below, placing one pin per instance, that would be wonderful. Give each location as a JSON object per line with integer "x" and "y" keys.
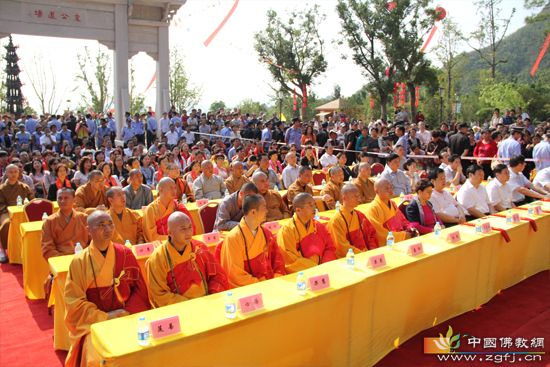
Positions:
{"x": 280, "y": 96}
{"x": 440, "y": 105}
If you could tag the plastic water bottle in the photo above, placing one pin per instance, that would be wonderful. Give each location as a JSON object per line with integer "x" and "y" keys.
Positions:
{"x": 478, "y": 226}
{"x": 301, "y": 285}
{"x": 509, "y": 217}
{"x": 323, "y": 183}
{"x": 337, "y": 206}
{"x": 452, "y": 188}
{"x": 531, "y": 209}
{"x": 128, "y": 244}
{"x": 437, "y": 229}
{"x": 142, "y": 332}
{"x": 230, "y": 306}
{"x": 316, "y": 217}
{"x": 19, "y": 201}
{"x": 44, "y": 216}
{"x": 26, "y": 201}
{"x": 78, "y": 248}
{"x": 402, "y": 196}
{"x": 184, "y": 199}
{"x": 389, "y": 240}
{"x": 350, "y": 259}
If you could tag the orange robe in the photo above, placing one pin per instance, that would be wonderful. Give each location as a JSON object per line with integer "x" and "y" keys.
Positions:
{"x": 59, "y": 236}
{"x": 86, "y": 200}
{"x": 129, "y": 227}
{"x": 249, "y": 258}
{"x": 276, "y": 208}
{"x": 303, "y": 247}
{"x": 385, "y": 218}
{"x": 155, "y": 219}
{"x": 334, "y": 191}
{"x": 183, "y": 188}
{"x": 296, "y": 188}
{"x": 366, "y": 189}
{"x": 234, "y": 184}
{"x": 96, "y": 285}
{"x": 352, "y": 229}
{"x": 175, "y": 277}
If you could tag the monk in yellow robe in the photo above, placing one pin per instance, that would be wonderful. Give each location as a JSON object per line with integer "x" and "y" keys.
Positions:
{"x": 155, "y": 218}
{"x": 304, "y": 242}
{"x": 236, "y": 179}
{"x": 276, "y": 208}
{"x": 64, "y": 228}
{"x": 182, "y": 268}
{"x": 91, "y": 196}
{"x": 302, "y": 184}
{"x": 364, "y": 183}
{"x": 333, "y": 186}
{"x": 249, "y": 253}
{"x": 182, "y": 188}
{"x": 128, "y": 223}
{"x": 349, "y": 228}
{"x": 385, "y": 216}
{"x": 104, "y": 282}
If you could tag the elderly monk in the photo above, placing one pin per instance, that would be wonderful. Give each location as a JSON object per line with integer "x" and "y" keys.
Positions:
{"x": 349, "y": 228}
{"x": 91, "y": 195}
{"x": 9, "y": 191}
{"x": 104, "y": 282}
{"x": 249, "y": 253}
{"x": 208, "y": 185}
{"x": 333, "y": 186}
{"x": 276, "y": 208}
{"x": 138, "y": 195}
{"x": 364, "y": 183}
{"x": 182, "y": 268}
{"x": 237, "y": 179}
{"x": 302, "y": 184}
{"x": 385, "y": 216}
{"x": 182, "y": 188}
{"x": 230, "y": 210}
{"x": 155, "y": 218}
{"x": 304, "y": 241}
{"x": 127, "y": 222}
{"x": 64, "y": 228}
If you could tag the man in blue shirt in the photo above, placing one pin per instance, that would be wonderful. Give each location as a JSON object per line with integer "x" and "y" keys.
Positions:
{"x": 30, "y": 124}
{"x": 102, "y": 132}
{"x": 54, "y": 121}
{"x": 294, "y": 134}
{"x": 152, "y": 127}
{"x": 511, "y": 147}
{"x": 127, "y": 132}
{"x": 92, "y": 127}
{"x": 66, "y": 135}
{"x": 398, "y": 179}
{"x": 111, "y": 123}
{"x": 139, "y": 128}
{"x": 22, "y": 137}
{"x": 266, "y": 135}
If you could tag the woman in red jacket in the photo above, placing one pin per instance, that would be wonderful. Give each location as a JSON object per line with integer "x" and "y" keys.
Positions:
{"x": 486, "y": 147}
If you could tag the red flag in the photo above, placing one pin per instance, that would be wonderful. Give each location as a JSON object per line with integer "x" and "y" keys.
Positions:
{"x": 294, "y": 101}
{"x": 402, "y": 94}
{"x": 304, "y": 94}
{"x": 395, "y": 86}
{"x": 542, "y": 51}
{"x": 371, "y": 103}
{"x": 417, "y": 94}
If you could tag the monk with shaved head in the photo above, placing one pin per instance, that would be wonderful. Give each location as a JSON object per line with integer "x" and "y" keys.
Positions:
{"x": 127, "y": 222}
{"x": 104, "y": 282}
{"x": 182, "y": 268}
{"x": 155, "y": 217}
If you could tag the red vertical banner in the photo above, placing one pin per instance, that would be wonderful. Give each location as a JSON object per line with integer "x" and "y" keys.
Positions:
{"x": 395, "y": 87}
{"x": 417, "y": 94}
{"x": 371, "y": 103}
{"x": 402, "y": 95}
{"x": 294, "y": 101}
{"x": 304, "y": 94}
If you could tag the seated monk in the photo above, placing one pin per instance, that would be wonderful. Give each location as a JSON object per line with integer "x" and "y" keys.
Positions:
{"x": 182, "y": 188}
{"x": 364, "y": 183}
{"x": 276, "y": 208}
{"x": 127, "y": 222}
{"x": 249, "y": 253}
{"x": 349, "y": 228}
{"x": 155, "y": 218}
{"x": 91, "y": 195}
{"x": 182, "y": 268}
{"x": 304, "y": 242}
{"x": 333, "y": 186}
{"x": 302, "y": 184}
{"x": 236, "y": 180}
{"x": 385, "y": 216}
{"x": 64, "y": 228}
{"x": 104, "y": 282}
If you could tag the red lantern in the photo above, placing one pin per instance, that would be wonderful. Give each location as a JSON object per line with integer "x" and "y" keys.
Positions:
{"x": 371, "y": 103}
{"x": 304, "y": 94}
{"x": 417, "y": 94}
{"x": 440, "y": 13}
{"x": 294, "y": 101}
{"x": 391, "y": 5}
{"x": 402, "y": 94}
{"x": 395, "y": 86}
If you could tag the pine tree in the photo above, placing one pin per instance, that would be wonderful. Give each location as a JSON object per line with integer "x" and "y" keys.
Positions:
{"x": 14, "y": 97}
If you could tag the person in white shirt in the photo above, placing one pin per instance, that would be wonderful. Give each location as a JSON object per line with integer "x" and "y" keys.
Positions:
{"x": 425, "y": 136}
{"x": 47, "y": 141}
{"x": 521, "y": 186}
{"x": 164, "y": 123}
{"x": 444, "y": 205}
{"x": 473, "y": 196}
{"x": 511, "y": 147}
{"x": 499, "y": 191}
{"x": 291, "y": 171}
{"x": 542, "y": 180}
{"x": 189, "y": 136}
{"x": 453, "y": 171}
{"x": 541, "y": 153}
{"x": 328, "y": 159}
{"x": 172, "y": 136}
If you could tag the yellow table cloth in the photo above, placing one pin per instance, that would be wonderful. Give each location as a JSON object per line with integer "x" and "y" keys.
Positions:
{"x": 35, "y": 267}
{"x": 361, "y": 318}
{"x": 17, "y": 216}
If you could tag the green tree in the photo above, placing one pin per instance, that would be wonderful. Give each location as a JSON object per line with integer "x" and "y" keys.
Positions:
{"x": 217, "y": 105}
{"x": 251, "y": 106}
{"x": 293, "y": 50}
{"x": 500, "y": 95}
{"x": 183, "y": 95}
{"x": 95, "y": 75}
{"x": 490, "y": 32}
{"x": 337, "y": 92}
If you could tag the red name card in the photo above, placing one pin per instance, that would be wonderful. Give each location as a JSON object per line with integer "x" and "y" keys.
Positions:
{"x": 453, "y": 237}
{"x": 537, "y": 210}
{"x": 202, "y": 202}
{"x": 415, "y": 249}
{"x": 515, "y": 218}
{"x": 319, "y": 282}
{"x": 212, "y": 237}
{"x": 251, "y": 303}
{"x": 377, "y": 261}
{"x": 272, "y": 226}
{"x": 145, "y": 249}
{"x": 485, "y": 227}
{"x": 165, "y": 327}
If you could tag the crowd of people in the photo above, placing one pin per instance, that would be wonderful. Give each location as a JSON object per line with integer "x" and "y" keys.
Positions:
{"x": 101, "y": 178}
